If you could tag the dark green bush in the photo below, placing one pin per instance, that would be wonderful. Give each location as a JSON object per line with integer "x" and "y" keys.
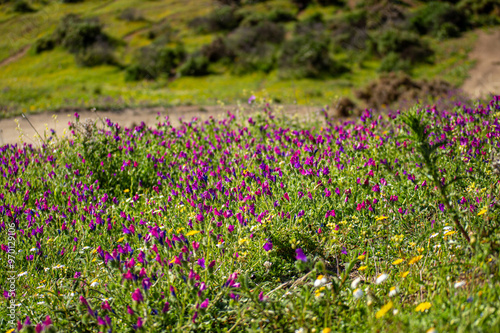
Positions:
{"x": 448, "y": 30}
{"x": 430, "y": 18}
{"x": 43, "y": 44}
{"x": 217, "y": 50}
{"x": 21, "y": 6}
{"x": 256, "y": 48}
{"x": 302, "y": 4}
{"x": 247, "y": 39}
{"x": 97, "y": 54}
{"x": 130, "y": 15}
{"x": 195, "y": 65}
{"x": 306, "y": 56}
{"x": 393, "y": 62}
{"x": 279, "y": 15}
{"x": 154, "y": 61}
{"x": 76, "y": 34}
{"x": 224, "y": 18}
{"x": 163, "y": 33}
{"x": 479, "y": 7}
{"x": 407, "y": 44}
{"x": 82, "y": 37}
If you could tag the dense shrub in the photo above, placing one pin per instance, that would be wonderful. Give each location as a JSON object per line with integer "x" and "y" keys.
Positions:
{"x": 479, "y": 7}
{"x": 302, "y": 4}
{"x": 279, "y": 15}
{"x": 154, "y": 61}
{"x": 256, "y": 48}
{"x": 245, "y": 39}
{"x": 195, "y": 65}
{"x": 305, "y": 56}
{"x": 349, "y": 32}
{"x": 217, "y": 50}
{"x": 223, "y": 18}
{"x": 393, "y": 62}
{"x": 77, "y": 34}
{"x": 163, "y": 33}
{"x": 100, "y": 53}
{"x": 408, "y": 45}
{"x": 21, "y": 6}
{"x": 45, "y": 43}
{"x": 130, "y": 15}
{"x": 82, "y": 37}
{"x": 431, "y": 18}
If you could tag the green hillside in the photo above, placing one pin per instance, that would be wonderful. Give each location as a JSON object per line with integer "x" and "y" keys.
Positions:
{"x": 132, "y": 53}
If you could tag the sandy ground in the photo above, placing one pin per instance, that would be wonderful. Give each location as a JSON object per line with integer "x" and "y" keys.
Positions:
{"x": 42, "y": 122}
{"x": 484, "y": 78}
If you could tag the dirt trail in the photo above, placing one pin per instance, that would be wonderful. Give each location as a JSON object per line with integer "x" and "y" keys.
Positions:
{"x": 16, "y": 56}
{"x": 128, "y": 117}
{"x": 484, "y": 78}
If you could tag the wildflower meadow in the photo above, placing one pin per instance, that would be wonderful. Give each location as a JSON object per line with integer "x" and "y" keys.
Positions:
{"x": 260, "y": 222}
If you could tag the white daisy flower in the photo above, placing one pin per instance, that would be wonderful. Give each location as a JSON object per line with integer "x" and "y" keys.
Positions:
{"x": 393, "y": 291}
{"x": 22, "y": 274}
{"x": 320, "y": 281}
{"x": 358, "y": 293}
{"x": 434, "y": 235}
{"x": 354, "y": 284}
{"x": 459, "y": 284}
{"x": 381, "y": 278}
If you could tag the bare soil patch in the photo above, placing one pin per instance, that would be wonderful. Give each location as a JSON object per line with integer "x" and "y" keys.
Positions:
{"x": 43, "y": 122}
{"x": 484, "y": 78}
{"x": 16, "y": 56}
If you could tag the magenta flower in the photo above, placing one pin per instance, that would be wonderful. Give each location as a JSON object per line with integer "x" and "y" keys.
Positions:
{"x": 268, "y": 246}
{"x": 204, "y": 304}
{"x": 137, "y": 295}
{"x": 166, "y": 307}
{"x": 300, "y": 255}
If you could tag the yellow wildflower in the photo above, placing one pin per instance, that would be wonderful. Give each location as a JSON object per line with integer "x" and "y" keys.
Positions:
{"x": 397, "y": 261}
{"x": 416, "y": 259}
{"x": 423, "y": 306}
{"x": 383, "y": 310}
{"x": 361, "y": 257}
{"x": 362, "y": 268}
{"x": 483, "y": 211}
{"x": 404, "y": 274}
{"x": 326, "y": 330}
{"x": 192, "y": 232}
